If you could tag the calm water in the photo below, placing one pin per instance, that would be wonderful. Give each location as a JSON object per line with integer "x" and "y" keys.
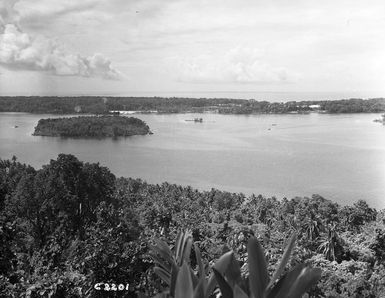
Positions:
{"x": 341, "y": 157}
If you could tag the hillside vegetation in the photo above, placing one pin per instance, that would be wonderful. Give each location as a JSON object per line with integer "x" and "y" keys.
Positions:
{"x": 71, "y": 225}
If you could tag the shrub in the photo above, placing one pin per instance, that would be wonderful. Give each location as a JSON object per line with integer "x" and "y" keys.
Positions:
{"x": 174, "y": 268}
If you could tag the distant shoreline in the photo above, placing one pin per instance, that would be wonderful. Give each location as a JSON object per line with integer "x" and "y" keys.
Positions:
{"x": 171, "y": 105}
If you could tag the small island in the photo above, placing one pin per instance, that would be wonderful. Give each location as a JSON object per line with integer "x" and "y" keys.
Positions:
{"x": 91, "y": 127}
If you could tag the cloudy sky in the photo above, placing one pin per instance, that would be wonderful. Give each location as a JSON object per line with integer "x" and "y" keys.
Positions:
{"x": 156, "y": 47}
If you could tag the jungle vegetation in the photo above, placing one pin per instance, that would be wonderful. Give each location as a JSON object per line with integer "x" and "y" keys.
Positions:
{"x": 70, "y": 224}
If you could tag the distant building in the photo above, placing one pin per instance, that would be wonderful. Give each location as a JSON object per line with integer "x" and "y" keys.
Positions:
{"x": 123, "y": 112}
{"x": 315, "y": 107}
{"x": 78, "y": 109}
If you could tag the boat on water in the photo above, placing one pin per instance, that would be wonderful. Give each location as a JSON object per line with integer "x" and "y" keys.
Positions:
{"x": 382, "y": 120}
{"x": 195, "y": 120}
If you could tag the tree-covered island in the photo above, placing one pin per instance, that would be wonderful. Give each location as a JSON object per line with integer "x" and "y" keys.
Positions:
{"x": 91, "y": 127}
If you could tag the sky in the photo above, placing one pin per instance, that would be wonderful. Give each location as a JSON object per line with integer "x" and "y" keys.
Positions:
{"x": 187, "y": 47}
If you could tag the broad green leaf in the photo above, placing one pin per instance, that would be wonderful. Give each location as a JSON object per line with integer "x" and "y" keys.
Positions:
{"x": 223, "y": 262}
{"x": 174, "y": 275}
{"x": 233, "y": 272}
{"x": 183, "y": 247}
{"x": 282, "y": 287}
{"x": 226, "y": 290}
{"x": 163, "y": 274}
{"x": 284, "y": 260}
{"x": 163, "y": 246}
{"x": 163, "y": 250}
{"x": 178, "y": 246}
{"x": 184, "y": 286}
{"x": 201, "y": 267}
{"x": 160, "y": 262}
{"x": 238, "y": 292}
{"x": 199, "y": 291}
{"x": 221, "y": 266}
{"x": 187, "y": 249}
{"x": 258, "y": 277}
{"x": 194, "y": 278}
{"x": 307, "y": 278}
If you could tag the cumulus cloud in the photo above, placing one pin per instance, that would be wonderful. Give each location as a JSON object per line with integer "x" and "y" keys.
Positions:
{"x": 7, "y": 12}
{"x": 239, "y": 65}
{"x": 20, "y": 50}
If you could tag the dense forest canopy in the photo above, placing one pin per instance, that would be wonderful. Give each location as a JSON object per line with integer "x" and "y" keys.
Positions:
{"x": 70, "y": 225}
{"x": 91, "y": 127}
{"x": 101, "y": 105}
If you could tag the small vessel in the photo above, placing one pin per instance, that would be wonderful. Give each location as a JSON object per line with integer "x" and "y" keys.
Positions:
{"x": 16, "y": 126}
{"x": 380, "y": 120}
{"x": 195, "y": 120}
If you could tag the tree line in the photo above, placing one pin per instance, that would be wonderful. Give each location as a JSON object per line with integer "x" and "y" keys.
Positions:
{"x": 71, "y": 225}
{"x": 102, "y": 105}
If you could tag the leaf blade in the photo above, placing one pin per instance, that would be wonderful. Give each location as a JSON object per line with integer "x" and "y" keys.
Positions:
{"x": 258, "y": 277}
{"x": 221, "y": 266}
{"x": 304, "y": 281}
{"x": 285, "y": 258}
{"x": 163, "y": 274}
{"x": 226, "y": 290}
{"x": 184, "y": 285}
{"x": 201, "y": 267}
{"x": 239, "y": 293}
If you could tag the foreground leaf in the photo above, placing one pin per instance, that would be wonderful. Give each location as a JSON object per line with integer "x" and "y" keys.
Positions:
{"x": 163, "y": 274}
{"x": 307, "y": 278}
{"x": 238, "y": 292}
{"x": 184, "y": 286}
{"x": 221, "y": 266}
{"x": 226, "y": 290}
{"x": 258, "y": 277}
{"x": 284, "y": 260}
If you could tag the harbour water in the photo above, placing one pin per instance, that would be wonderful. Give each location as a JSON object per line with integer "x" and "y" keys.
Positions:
{"x": 341, "y": 157}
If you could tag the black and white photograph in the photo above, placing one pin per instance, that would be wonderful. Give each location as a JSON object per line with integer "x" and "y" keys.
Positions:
{"x": 192, "y": 149}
